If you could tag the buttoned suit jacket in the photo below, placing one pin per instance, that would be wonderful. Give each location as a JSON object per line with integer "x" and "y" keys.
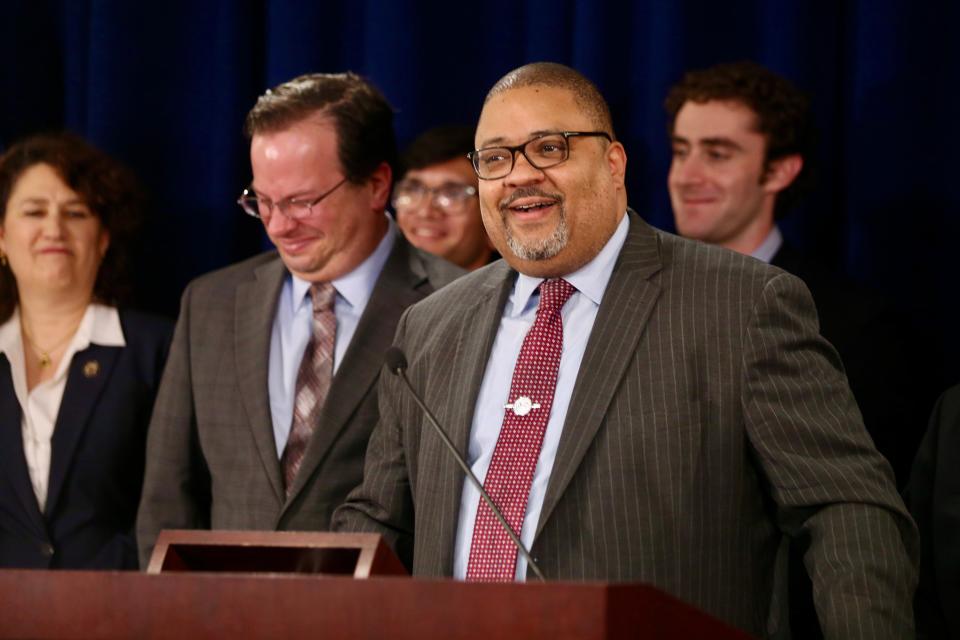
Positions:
{"x": 212, "y": 458}
{"x": 96, "y": 459}
{"x": 708, "y": 421}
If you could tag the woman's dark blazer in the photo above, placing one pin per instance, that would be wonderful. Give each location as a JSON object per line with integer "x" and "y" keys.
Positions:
{"x": 96, "y": 459}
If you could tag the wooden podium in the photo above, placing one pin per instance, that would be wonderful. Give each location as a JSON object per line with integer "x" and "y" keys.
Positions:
{"x": 280, "y": 601}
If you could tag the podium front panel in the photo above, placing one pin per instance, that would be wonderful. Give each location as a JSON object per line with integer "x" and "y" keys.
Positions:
{"x": 80, "y": 604}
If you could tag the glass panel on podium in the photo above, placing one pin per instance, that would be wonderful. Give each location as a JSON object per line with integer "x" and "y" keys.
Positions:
{"x": 360, "y": 555}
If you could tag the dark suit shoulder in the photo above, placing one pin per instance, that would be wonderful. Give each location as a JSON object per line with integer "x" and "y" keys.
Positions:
{"x": 718, "y": 266}
{"x": 675, "y": 261}
{"x": 439, "y": 271}
{"x": 855, "y": 318}
{"x": 725, "y": 293}
{"x": 951, "y": 401}
{"x": 840, "y": 300}
{"x": 145, "y": 327}
{"x": 229, "y": 276}
{"x": 147, "y": 339}
{"x": 466, "y": 290}
{"x": 946, "y": 418}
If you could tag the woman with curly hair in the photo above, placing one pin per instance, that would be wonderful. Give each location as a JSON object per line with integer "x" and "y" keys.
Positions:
{"x": 78, "y": 373}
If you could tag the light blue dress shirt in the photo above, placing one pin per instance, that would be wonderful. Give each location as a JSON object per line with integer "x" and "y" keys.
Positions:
{"x": 770, "y": 245}
{"x": 518, "y": 315}
{"x": 293, "y": 325}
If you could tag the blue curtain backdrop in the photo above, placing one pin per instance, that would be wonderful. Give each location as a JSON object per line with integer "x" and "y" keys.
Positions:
{"x": 165, "y": 86}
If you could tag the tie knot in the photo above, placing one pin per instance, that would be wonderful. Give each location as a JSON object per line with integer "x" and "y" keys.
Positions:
{"x": 323, "y": 295}
{"x": 554, "y": 293}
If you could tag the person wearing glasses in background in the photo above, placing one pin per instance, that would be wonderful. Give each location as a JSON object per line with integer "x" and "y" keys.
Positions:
{"x": 642, "y": 407}
{"x": 436, "y": 199}
{"x": 269, "y": 395}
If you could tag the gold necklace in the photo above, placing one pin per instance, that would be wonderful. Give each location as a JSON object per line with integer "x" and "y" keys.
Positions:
{"x": 44, "y": 354}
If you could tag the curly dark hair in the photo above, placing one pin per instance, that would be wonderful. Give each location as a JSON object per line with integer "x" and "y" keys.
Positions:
{"x": 109, "y": 189}
{"x": 782, "y": 110}
{"x": 361, "y": 115}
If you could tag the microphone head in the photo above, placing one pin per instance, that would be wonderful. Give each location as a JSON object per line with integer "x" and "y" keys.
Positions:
{"x": 396, "y": 360}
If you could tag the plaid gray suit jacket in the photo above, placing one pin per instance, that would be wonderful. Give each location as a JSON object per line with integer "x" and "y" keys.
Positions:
{"x": 211, "y": 457}
{"x": 709, "y": 421}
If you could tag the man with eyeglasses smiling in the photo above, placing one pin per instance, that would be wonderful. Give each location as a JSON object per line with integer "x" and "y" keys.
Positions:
{"x": 269, "y": 395}
{"x": 641, "y": 407}
{"x": 436, "y": 199}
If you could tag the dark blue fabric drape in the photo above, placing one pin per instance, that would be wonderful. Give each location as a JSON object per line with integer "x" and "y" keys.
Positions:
{"x": 165, "y": 86}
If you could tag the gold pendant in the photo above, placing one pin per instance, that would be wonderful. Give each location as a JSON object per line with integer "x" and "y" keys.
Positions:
{"x": 44, "y": 360}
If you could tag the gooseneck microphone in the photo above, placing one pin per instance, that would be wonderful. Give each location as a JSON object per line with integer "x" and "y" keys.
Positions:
{"x": 397, "y": 364}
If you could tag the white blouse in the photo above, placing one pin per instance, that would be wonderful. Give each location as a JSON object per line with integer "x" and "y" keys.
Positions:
{"x": 100, "y": 325}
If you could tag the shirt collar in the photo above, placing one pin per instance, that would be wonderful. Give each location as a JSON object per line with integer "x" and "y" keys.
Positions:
{"x": 100, "y": 325}
{"x": 356, "y": 286}
{"x": 770, "y": 245}
{"x": 591, "y": 279}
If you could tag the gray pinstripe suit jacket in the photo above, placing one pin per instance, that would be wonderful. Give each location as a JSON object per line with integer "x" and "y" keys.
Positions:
{"x": 709, "y": 420}
{"x": 211, "y": 457}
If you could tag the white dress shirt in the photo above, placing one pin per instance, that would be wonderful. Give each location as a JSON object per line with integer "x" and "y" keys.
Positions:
{"x": 293, "y": 326}
{"x": 578, "y": 315}
{"x": 40, "y": 406}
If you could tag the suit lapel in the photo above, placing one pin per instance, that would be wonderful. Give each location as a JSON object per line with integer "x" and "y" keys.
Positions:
{"x": 86, "y": 379}
{"x": 11, "y": 451}
{"x": 252, "y": 331}
{"x": 398, "y": 286}
{"x": 624, "y": 311}
{"x": 469, "y": 363}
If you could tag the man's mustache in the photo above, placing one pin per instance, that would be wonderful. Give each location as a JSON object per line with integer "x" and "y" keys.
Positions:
{"x": 529, "y": 192}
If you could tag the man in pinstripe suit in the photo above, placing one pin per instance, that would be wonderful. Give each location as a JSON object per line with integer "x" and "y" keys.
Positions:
{"x": 698, "y": 418}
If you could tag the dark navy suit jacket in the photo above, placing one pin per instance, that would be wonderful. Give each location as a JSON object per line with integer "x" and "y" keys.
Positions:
{"x": 97, "y": 456}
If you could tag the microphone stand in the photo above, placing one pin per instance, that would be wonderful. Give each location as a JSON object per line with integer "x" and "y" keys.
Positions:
{"x": 398, "y": 369}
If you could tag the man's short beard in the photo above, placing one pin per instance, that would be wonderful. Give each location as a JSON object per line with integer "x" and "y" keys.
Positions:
{"x": 543, "y": 249}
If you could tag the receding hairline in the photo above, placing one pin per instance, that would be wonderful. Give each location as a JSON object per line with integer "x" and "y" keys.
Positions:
{"x": 557, "y": 76}
{"x": 320, "y": 118}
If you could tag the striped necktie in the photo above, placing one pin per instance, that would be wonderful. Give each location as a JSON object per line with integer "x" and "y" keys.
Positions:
{"x": 313, "y": 380}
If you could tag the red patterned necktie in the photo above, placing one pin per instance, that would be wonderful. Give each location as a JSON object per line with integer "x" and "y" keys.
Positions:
{"x": 493, "y": 557}
{"x": 313, "y": 380}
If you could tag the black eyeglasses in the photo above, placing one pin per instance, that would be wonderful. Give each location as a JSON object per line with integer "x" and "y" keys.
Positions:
{"x": 544, "y": 151}
{"x": 294, "y": 208}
